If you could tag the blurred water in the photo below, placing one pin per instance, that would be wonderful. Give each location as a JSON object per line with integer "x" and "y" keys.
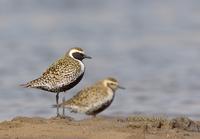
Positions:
{"x": 151, "y": 47}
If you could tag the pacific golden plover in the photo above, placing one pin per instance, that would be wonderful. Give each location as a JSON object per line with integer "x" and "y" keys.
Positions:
{"x": 94, "y": 99}
{"x": 62, "y": 75}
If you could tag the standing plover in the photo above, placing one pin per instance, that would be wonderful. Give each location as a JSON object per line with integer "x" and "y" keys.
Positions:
{"x": 94, "y": 99}
{"x": 62, "y": 75}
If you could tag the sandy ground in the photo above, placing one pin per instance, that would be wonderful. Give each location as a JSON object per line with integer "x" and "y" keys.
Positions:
{"x": 136, "y": 127}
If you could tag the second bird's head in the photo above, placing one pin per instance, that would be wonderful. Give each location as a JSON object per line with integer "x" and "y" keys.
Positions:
{"x": 77, "y": 53}
{"x": 112, "y": 83}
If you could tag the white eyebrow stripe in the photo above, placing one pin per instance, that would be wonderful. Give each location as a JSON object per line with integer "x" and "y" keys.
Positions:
{"x": 108, "y": 81}
{"x": 80, "y": 62}
{"x": 74, "y": 51}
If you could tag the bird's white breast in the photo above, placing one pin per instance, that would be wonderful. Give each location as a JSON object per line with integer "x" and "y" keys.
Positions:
{"x": 82, "y": 67}
{"x": 81, "y": 64}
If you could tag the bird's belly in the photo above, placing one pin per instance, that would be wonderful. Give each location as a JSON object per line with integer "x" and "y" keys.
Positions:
{"x": 95, "y": 110}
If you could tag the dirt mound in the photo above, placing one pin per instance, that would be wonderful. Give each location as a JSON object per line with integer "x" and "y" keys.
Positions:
{"x": 134, "y": 127}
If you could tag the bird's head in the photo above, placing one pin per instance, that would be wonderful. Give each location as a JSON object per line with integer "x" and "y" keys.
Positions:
{"x": 112, "y": 83}
{"x": 77, "y": 53}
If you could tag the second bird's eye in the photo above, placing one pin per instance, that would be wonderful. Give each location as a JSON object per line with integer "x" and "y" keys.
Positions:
{"x": 111, "y": 83}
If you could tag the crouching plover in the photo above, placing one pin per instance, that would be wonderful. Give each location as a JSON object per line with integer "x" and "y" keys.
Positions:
{"x": 94, "y": 99}
{"x": 62, "y": 75}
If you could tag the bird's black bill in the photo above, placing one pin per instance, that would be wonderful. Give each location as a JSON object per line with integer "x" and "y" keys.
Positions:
{"x": 121, "y": 87}
{"x": 88, "y": 57}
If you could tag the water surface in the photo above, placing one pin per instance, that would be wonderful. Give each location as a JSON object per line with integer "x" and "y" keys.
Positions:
{"x": 151, "y": 47}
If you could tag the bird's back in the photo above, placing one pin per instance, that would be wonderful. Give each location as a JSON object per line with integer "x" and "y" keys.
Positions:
{"x": 58, "y": 76}
{"x": 89, "y": 99}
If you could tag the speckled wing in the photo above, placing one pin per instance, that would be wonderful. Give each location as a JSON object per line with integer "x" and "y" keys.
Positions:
{"x": 61, "y": 74}
{"x": 88, "y": 97}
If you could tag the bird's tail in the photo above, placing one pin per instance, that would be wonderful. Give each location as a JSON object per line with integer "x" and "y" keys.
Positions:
{"x": 59, "y": 106}
{"x": 26, "y": 85}
{"x": 56, "y": 105}
{"x": 33, "y": 84}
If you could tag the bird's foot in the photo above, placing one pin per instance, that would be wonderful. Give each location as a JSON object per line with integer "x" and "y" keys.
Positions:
{"x": 59, "y": 116}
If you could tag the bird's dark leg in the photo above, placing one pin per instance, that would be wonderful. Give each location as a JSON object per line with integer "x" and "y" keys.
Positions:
{"x": 63, "y": 106}
{"x": 94, "y": 116}
{"x": 57, "y": 98}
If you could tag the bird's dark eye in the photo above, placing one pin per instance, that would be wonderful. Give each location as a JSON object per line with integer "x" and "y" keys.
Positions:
{"x": 78, "y": 56}
{"x": 111, "y": 83}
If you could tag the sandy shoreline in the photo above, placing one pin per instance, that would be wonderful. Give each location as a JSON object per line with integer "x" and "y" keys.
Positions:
{"x": 136, "y": 127}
